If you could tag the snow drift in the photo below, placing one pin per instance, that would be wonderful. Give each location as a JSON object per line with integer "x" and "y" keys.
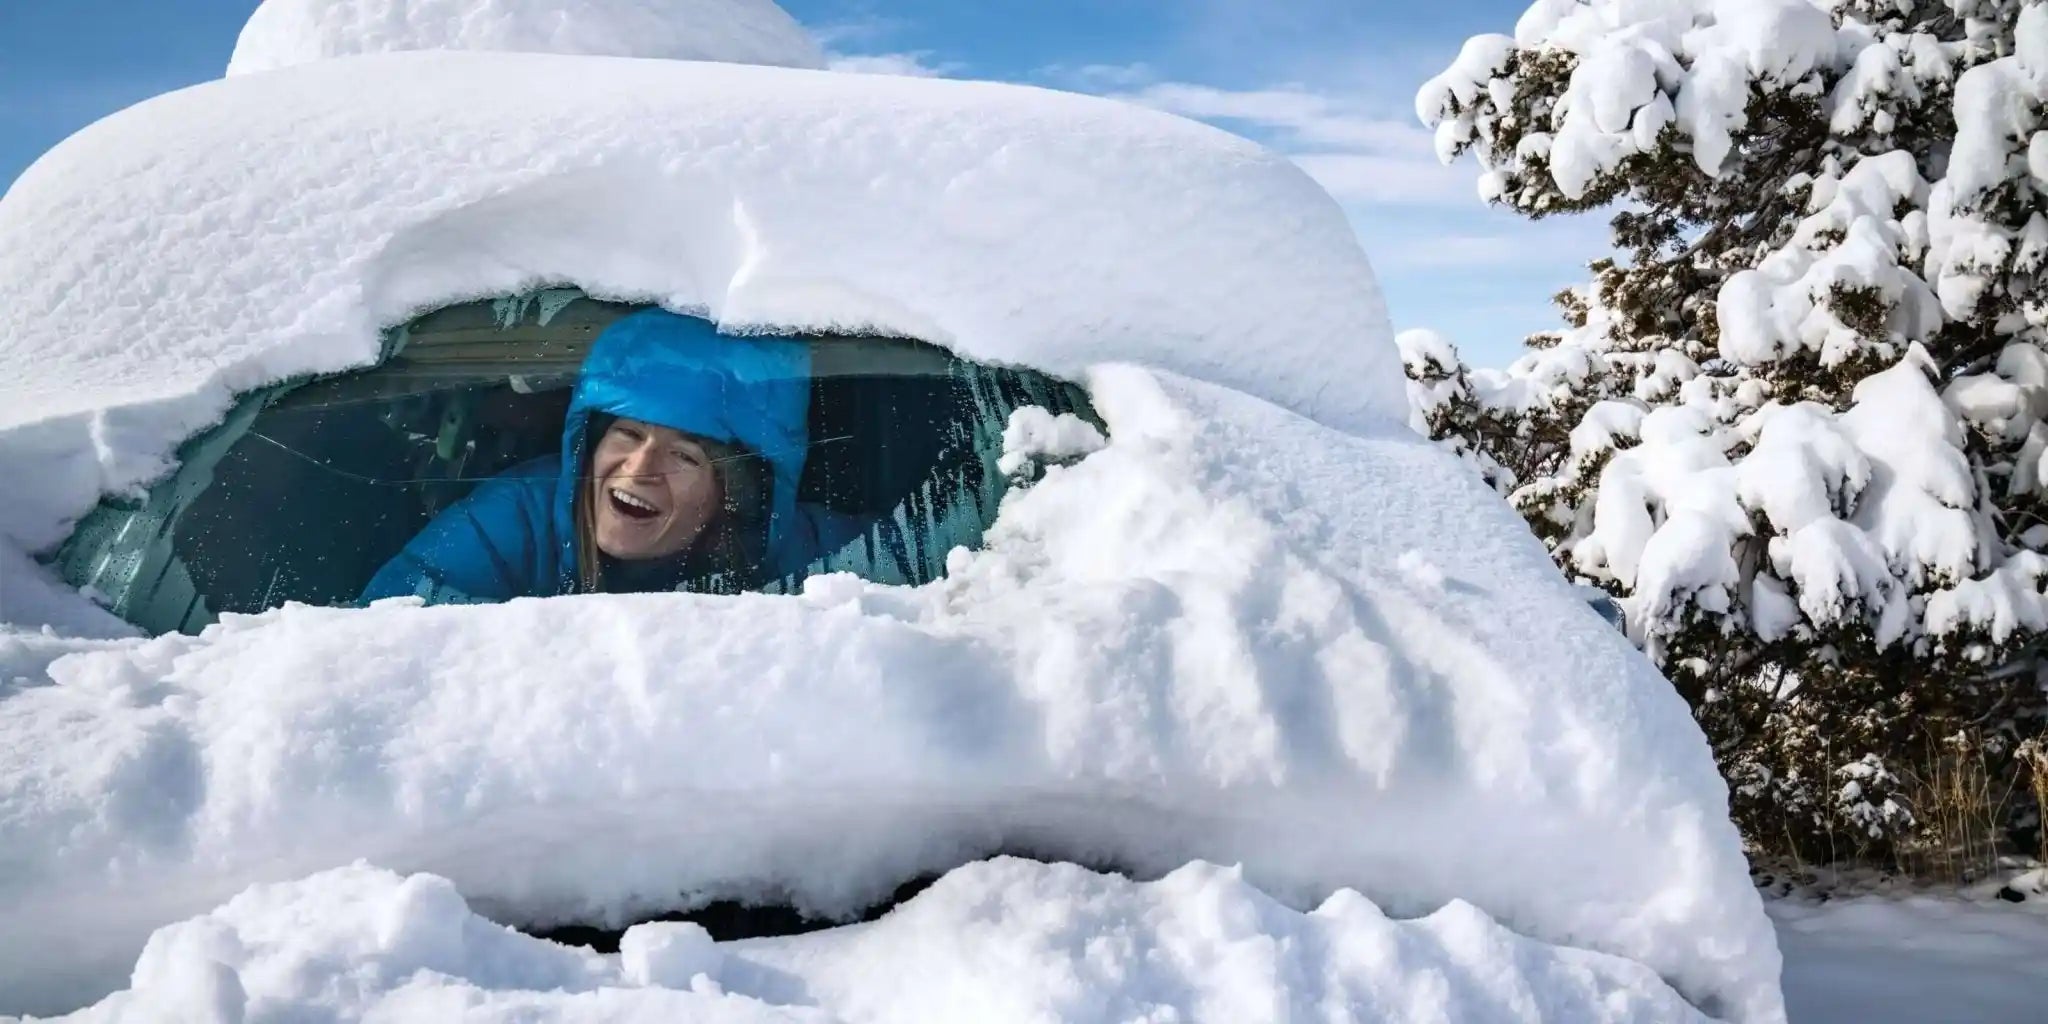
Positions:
{"x": 1003, "y": 940}
{"x": 1212, "y": 638}
{"x": 1260, "y": 623}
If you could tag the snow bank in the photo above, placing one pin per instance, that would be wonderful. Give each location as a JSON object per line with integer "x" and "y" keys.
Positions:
{"x": 245, "y": 231}
{"x": 1231, "y": 634}
{"x": 998, "y": 941}
{"x": 286, "y": 33}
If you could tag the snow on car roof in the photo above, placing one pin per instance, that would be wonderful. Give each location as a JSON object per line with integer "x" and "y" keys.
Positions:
{"x": 285, "y": 33}
{"x": 240, "y": 232}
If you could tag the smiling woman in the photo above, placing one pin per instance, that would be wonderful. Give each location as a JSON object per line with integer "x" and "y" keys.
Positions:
{"x": 681, "y": 459}
{"x": 552, "y": 444}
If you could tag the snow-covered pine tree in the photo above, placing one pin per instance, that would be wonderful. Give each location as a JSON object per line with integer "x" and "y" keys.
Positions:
{"x": 1799, "y": 424}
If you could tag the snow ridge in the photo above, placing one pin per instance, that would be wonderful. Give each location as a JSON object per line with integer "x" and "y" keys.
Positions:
{"x": 287, "y": 33}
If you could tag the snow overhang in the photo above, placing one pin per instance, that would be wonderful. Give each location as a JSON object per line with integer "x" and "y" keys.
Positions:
{"x": 241, "y": 232}
{"x": 287, "y": 33}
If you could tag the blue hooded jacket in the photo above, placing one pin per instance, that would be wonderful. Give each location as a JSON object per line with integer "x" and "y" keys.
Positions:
{"x": 515, "y": 534}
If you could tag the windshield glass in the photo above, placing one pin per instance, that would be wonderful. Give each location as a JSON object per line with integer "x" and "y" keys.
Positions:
{"x": 553, "y": 444}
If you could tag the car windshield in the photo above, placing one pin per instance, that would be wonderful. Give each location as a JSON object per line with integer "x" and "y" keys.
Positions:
{"x": 552, "y": 443}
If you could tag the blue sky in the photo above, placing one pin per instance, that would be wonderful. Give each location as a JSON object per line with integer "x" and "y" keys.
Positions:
{"x": 1329, "y": 82}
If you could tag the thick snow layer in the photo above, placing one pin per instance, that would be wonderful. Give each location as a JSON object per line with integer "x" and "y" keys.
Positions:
{"x": 1232, "y": 634}
{"x": 244, "y": 231}
{"x": 286, "y": 33}
{"x": 994, "y": 942}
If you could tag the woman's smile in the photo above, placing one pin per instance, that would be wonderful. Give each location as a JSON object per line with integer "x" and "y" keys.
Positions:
{"x": 633, "y": 506}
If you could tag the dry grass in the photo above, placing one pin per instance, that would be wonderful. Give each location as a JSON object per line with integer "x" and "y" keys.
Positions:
{"x": 1959, "y": 806}
{"x": 2034, "y": 755}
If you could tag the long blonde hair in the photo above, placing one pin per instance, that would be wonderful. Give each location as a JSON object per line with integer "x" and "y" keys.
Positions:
{"x": 726, "y": 555}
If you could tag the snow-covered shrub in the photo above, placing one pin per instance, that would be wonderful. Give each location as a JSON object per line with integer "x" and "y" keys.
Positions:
{"x": 1513, "y": 426}
{"x": 1796, "y": 424}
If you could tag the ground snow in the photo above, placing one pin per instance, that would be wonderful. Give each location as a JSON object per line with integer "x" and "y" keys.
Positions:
{"x": 996, "y": 941}
{"x": 287, "y": 33}
{"x": 242, "y": 232}
{"x": 1209, "y": 639}
{"x": 1913, "y": 958}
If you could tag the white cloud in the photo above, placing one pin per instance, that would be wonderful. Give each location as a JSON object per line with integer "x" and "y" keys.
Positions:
{"x": 1381, "y": 178}
{"x": 1097, "y": 78}
{"x": 864, "y": 29}
{"x": 1454, "y": 250}
{"x": 1360, "y": 155}
{"x": 1308, "y": 118}
{"x": 914, "y": 64}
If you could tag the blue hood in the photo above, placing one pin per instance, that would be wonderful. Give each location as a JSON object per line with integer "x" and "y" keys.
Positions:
{"x": 679, "y": 372}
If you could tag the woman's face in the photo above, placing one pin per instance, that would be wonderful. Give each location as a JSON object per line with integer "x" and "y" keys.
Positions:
{"x": 653, "y": 490}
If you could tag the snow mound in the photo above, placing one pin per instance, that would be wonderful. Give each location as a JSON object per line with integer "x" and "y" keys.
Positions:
{"x": 246, "y": 231}
{"x": 996, "y": 941}
{"x": 1230, "y": 634}
{"x": 287, "y": 33}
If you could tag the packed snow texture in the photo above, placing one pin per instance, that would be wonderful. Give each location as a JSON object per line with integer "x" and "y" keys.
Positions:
{"x": 1034, "y": 435}
{"x": 287, "y": 33}
{"x": 1213, "y": 638}
{"x": 242, "y": 232}
{"x": 993, "y": 942}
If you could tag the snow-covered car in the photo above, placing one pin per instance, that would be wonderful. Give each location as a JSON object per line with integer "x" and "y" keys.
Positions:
{"x": 1149, "y": 575}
